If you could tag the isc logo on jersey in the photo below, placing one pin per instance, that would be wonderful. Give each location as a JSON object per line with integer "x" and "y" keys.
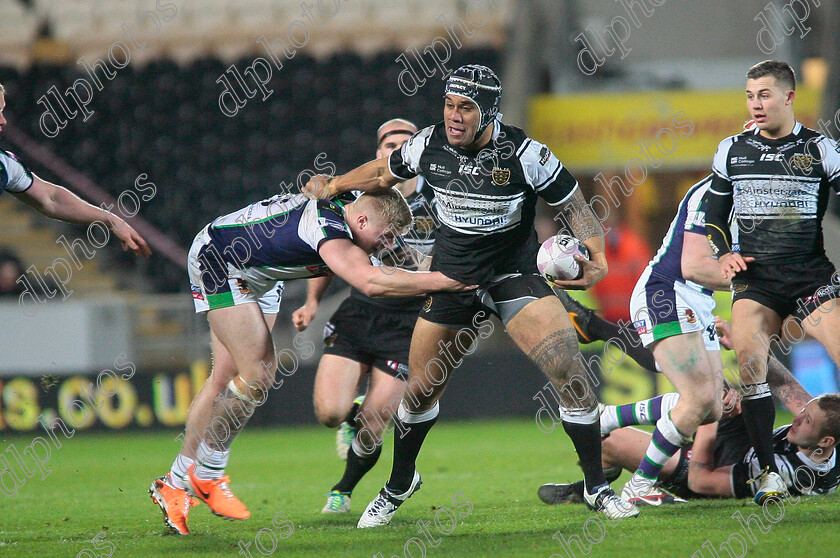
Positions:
{"x": 775, "y": 157}
{"x": 468, "y": 168}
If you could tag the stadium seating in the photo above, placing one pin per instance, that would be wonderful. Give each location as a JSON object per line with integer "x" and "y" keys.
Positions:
{"x": 164, "y": 120}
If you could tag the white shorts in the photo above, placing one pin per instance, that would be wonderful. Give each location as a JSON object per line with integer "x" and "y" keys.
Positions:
{"x": 217, "y": 284}
{"x": 662, "y": 308}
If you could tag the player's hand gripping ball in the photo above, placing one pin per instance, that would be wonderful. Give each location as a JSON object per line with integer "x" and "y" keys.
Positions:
{"x": 556, "y": 258}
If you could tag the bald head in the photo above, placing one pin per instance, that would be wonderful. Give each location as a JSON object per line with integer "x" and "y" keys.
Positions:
{"x": 392, "y": 134}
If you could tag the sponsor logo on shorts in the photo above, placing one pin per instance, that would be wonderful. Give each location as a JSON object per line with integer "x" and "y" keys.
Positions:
{"x": 690, "y": 317}
{"x": 501, "y": 176}
{"x": 544, "y": 155}
{"x": 329, "y": 334}
{"x": 641, "y": 327}
{"x": 400, "y": 368}
{"x": 243, "y": 287}
{"x": 428, "y": 305}
{"x": 739, "y": 288}
{"x": 196, "y": 292}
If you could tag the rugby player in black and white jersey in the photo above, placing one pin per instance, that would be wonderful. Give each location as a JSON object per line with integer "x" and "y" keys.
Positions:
{"x": 367, "y": 337}
{"x": 486, "y": 177}
{"x": 774, "y": 179}
{"x": 57, "y": 202}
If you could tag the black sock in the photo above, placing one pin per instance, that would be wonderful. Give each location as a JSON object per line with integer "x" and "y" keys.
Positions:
{"x": 351, "y": 416}
{"x": 602, "y": 330}
{"x": 587, "y": 441}
{"x": 759, "y": 415}
{"x": 408, "y": 438}
{"x": 357, "y": 467}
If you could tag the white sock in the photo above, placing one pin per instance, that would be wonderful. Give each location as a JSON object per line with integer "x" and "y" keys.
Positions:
{"x": 211, "y": 463}
{"x": 181, "y": 468}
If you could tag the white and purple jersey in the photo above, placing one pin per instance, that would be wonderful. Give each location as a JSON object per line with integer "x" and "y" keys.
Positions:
{"x": 14, "y": 176}
{"x": 691, "y": 217}
{"x": 273, "y": 240}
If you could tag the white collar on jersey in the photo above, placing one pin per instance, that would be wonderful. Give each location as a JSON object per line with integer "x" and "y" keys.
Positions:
{"x": 796, "y": 128}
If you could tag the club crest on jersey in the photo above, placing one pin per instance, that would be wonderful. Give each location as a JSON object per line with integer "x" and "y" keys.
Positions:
{"x": 424, "y": 225}
{"x": 803, "y": 162}
{"x": 501, "y": 176}
{"x": 690, "y": 317}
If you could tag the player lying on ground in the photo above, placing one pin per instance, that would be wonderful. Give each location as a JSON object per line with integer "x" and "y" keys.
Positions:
{"x": 773, "y": 181}
{"x": 486, "y": 236}
{"x": 366, "y": 337}
{"x": 720, "y": 462}
{"x": 56, "y": 201}
{"x": 237, "y": 265}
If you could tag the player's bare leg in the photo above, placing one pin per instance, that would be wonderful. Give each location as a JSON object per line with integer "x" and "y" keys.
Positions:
{"x": 336, "y": 385}
{"x": 205, "y": 449}
{"x": 245, "y": 334}
{"x": 823, "y": 325}
{"x": 544, "y": 332}
{"x": 372, "y": 418}
{"x": 752, "y": 326}
{"x": 696, "y": 374}
{"x": 429, "y": 372}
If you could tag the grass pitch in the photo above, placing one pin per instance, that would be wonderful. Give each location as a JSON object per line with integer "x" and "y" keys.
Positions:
{"x": 480, "y": 480}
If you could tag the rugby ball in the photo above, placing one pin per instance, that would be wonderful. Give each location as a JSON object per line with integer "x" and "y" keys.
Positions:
{"x": 556, "y": 258}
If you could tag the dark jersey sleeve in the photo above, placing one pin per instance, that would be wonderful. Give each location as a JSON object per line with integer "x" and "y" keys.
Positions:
{"x": 718, "y": 202}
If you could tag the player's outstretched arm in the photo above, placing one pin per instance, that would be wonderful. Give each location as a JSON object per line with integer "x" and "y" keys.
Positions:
{"x": 369, "y": 177}
{"x": 586, "y": 228}
{"x": 57, "y": 202}
{"x": 700, "y": 265}
{"x": 350, "y": 262}
{"x": 703, "y": 477}
{"x": 315, "y": 289}
{"x": 783, "y": 385}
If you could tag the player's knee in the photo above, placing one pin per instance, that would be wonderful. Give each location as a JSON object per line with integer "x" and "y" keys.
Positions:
{"x": 330, "y": 418}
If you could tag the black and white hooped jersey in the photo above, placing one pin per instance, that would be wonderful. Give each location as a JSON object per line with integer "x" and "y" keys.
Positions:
{"x": 420, "y": 237}
{"x": 811, "y": 477}
{"x": 778, "y": 191}
{"x": 484, "y": 200}
{"x": 14, "y": 176}
{"x": 278, "y": 238}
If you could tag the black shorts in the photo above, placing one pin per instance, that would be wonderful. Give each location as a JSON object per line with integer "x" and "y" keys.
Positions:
{"x": 731, "y": 445}
{"x": 371, "y": 335}
{"x": 790, "y": 289}
{"x": 503, "y": 298}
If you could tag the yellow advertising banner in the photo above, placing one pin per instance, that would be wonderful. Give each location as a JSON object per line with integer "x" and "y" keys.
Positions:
{"x": 660, "y": 129}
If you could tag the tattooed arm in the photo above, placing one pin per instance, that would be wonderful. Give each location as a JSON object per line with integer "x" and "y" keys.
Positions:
{"x": 785, "y": 387}
{"x": 577, "y": 216}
